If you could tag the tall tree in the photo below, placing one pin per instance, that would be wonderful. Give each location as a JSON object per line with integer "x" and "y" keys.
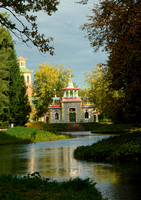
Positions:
{"x": 47, "y": 82}
{"x": 4, "y": 101}
{"x": 28, "y": 31}
{"x": 4, "y": 73}
{"x": 18, "y": 100}
{"x": 115, "y": 26}
{"x": 12, "y": 83}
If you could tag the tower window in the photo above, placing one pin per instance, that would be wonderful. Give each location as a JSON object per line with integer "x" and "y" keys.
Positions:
{"x": 22, "y": 63}
{"x": 27, "y": 79}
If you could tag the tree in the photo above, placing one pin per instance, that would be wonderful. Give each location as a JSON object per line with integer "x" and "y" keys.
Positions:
{"x": 47, "y": 82}
{"x": 4, "y": 74}
{"x": 105, "y": 100}
{"x": 115, "y": 26}
{"x": 97, "y": 85}
{"x": 19, "y": 107}
{"x": 24, "y": 108}
{"x": 3, "y": 89}
{"x": 20, "y": 9}
{"x": 14, "y": 102}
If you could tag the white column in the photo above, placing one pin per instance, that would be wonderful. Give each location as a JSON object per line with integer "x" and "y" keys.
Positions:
{"x": 65, "y": 93}
{"x": 44, "y": 118}
{"x": 68, "y": 93}
{"x": 97, "y": 118}
{"x": 76, "y": 93}
{"x": 73, "y": 93}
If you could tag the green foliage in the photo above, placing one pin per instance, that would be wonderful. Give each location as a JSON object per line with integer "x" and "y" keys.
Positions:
{"x": 107, "y": 128}
{"x": 47, "y": 82}
{"x": 14, "y": 105}
{"x": 115, "y": 26}
{"x": 36, "y": 187}
{"x": 24, "y": 22}
{"x": 18, "y": 100}
{"x": 5, "y": 49}
{"x": 4, "y": 125}
{"x": 119, "y": 148}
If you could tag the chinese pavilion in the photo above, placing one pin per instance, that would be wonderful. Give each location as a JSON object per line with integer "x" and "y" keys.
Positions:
{"x": 70, "y": 108}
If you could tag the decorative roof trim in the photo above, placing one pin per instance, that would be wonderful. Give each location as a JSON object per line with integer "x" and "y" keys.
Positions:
{"x": 54, "y": 106}
{"x": 28, "y": 71}
{"x": 87, "y": 106}
{"x": 21, "y": 59}
{"x": 70, "y": 89}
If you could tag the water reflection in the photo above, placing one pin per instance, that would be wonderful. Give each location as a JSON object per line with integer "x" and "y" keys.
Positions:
{"x": 55, "y": 160}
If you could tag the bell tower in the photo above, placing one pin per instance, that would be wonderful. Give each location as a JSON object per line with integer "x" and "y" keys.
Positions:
{"x": 24, "y": 70}
{"x": 27, "y": 75}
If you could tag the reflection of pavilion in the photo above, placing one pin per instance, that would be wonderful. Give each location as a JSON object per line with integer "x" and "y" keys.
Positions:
{"x": 70, "y": 107}
{"x": 54, "y": 162}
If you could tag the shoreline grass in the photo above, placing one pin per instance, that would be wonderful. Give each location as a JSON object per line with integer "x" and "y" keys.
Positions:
{"x": 24, "y": 135}
{"x": 109, "y": 128}
{"x": 27, "y": 188}
{"x": 123, "y": 148}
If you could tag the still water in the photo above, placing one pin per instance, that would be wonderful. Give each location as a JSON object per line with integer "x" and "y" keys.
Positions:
{"x": 55, "y": 160}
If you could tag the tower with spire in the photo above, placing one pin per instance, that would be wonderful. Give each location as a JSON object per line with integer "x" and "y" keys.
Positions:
{"x": 27, "y": 75}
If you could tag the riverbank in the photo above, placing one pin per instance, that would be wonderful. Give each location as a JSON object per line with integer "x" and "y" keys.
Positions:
{"x": 24, "y": 135}
{"x": 28, "y": 188}
{"x": 122, "y": 148}
{"x": 104, "y": 128}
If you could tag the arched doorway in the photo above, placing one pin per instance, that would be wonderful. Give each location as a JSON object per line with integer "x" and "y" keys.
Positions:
{"x": 72, "y": 114}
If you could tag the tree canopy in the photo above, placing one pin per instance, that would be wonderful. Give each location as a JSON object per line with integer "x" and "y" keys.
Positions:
{"x": 47, "y": 82}
{"x": 115, "y": 26}
{"x": 28, "y": 31}
{"x": 14, "y": 105}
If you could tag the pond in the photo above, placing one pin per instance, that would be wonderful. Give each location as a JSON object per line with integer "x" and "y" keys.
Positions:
{"x": 55, "y": 160}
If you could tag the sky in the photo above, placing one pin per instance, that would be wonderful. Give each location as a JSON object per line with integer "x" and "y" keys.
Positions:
{"x": 72, "y": 49}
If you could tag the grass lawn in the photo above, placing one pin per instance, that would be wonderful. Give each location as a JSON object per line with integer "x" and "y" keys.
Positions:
{"x": 20, "y": 135}
{"x": 26, "y": 188}
{"x": 125, "y": 147}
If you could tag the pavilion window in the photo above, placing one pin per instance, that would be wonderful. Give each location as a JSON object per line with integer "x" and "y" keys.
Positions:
{"x": 86, "y": 115}
{"x": 56, "y": 116}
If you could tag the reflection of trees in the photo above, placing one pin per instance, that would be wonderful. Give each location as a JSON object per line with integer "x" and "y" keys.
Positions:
{"x": 59, "y": 162}
{"x": 128, "y": 173}
{"x": 10, "y": 161}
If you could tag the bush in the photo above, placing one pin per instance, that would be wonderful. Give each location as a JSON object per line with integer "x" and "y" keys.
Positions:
{"x": 27, "y": 188}
{"x": 4, "y": 125}
{"x": 119, "y": 148}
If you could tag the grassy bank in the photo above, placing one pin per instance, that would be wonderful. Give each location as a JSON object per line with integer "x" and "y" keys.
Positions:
{"x": 15, "y": 188}
{"x": 19, "y": 135}
{"x": 93, "y": 127}
{"x": 125, "y": 147}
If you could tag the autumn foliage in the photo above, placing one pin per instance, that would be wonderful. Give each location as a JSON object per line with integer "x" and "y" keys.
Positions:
{"x": 115, "y": 26}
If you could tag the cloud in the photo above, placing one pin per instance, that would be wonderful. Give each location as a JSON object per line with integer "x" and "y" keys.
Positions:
{"x": 71, "y": 48}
